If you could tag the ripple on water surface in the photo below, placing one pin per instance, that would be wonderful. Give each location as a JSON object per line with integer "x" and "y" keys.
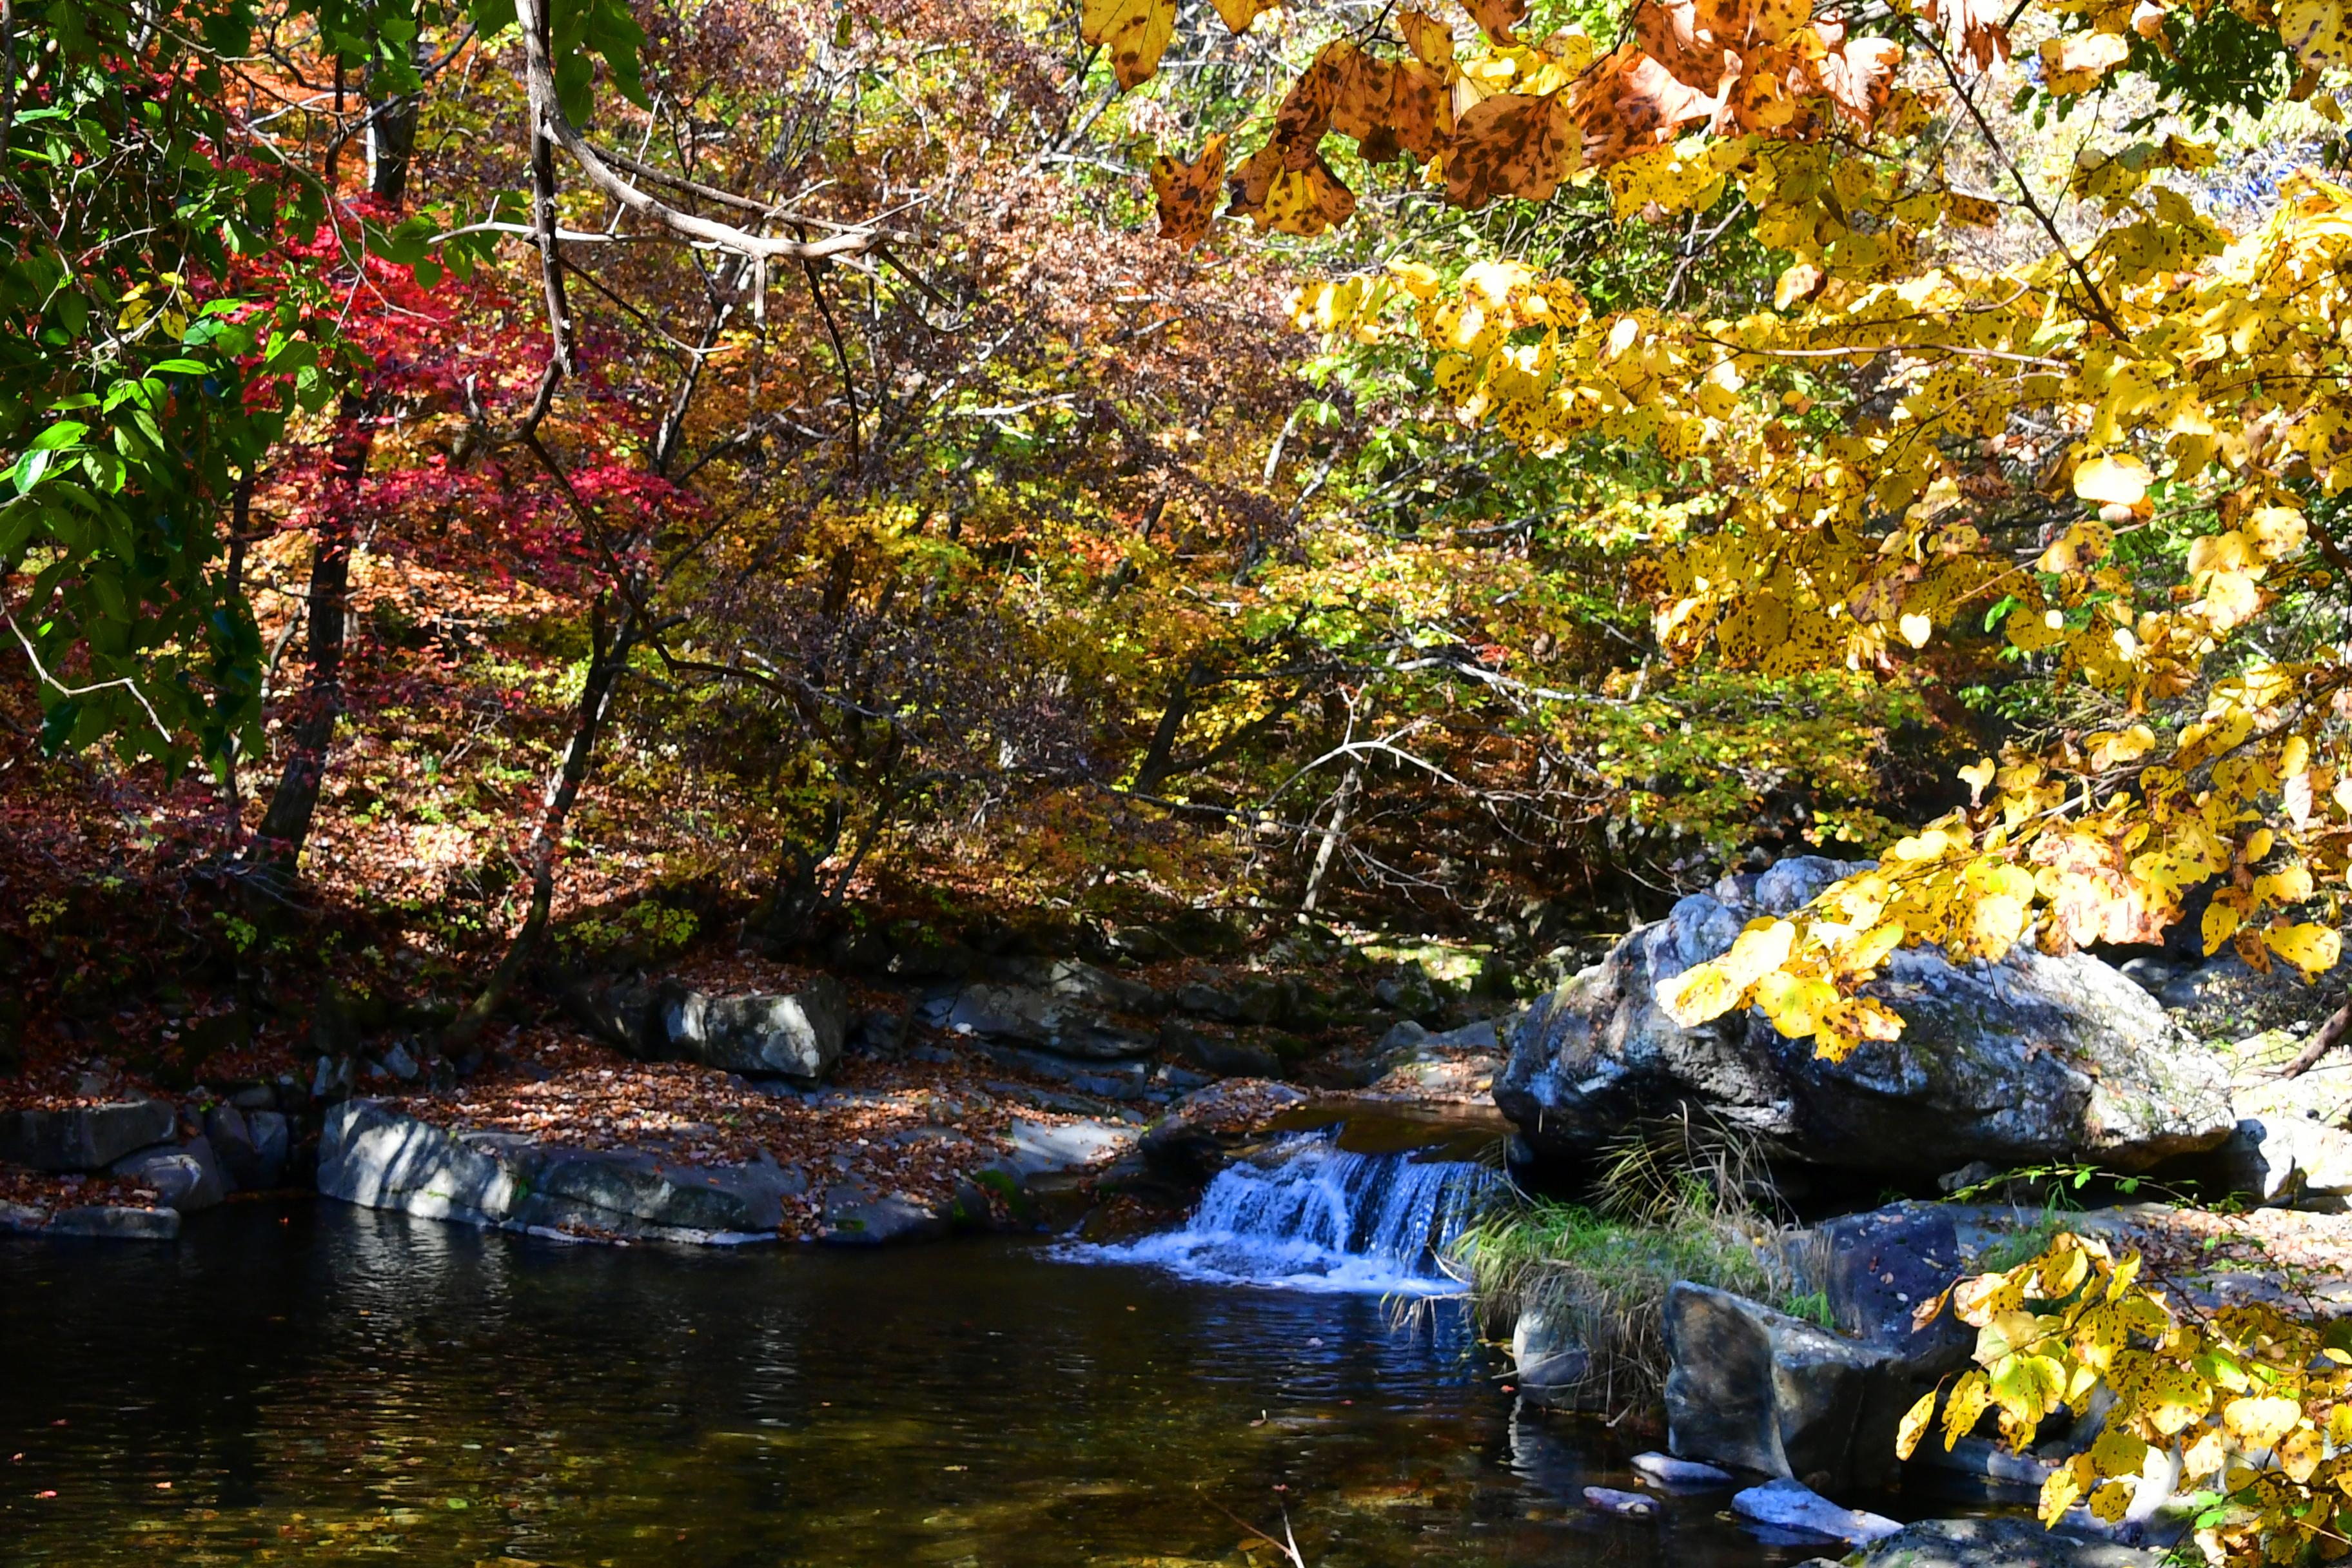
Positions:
{"x": 317, "y": 1383}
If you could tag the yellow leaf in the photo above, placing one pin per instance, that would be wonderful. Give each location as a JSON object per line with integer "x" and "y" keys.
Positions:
{"x": 1969, "y": 1399}
{"x": 1431, "y": 40}
{"x": 2059, "y": 1491}
{"x": 1913, "y": 1423}
{"x": 2318, "y": 31}
{"x": 2118, "y": 479}
{"x": 1915, "y": 629}
{"x": 2312, "y": 948}
{"x": 2118, "y": 1452}
{"x": 1798, "y": 284}
{"x": 1978, "y": 776}
{"x": 1242, "y": 15}
{"x": 2260, "y": 1423}
{"x": 1794, "y": 1005}
{"x": 1698, "y": 995}
{"x": 1136, "y": 32}
{"x": 2110, "y": 1501}
{"x": 2220, "y": 921}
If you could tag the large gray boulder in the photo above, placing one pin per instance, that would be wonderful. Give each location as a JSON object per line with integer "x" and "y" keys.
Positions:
{"x": 84, "y": 1137}
{"x": 1755, "y": 1389}
{"x": 796, "y": 1034}
{"x": 374, "y": 1156}
{"x": 2033, "y": 1060}
{"x": 1065, "y": 1025}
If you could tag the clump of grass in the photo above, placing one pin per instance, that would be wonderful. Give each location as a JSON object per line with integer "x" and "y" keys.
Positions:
{"x": 1680, "y": 1200}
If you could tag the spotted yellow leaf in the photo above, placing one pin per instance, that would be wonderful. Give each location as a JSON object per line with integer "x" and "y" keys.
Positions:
{"x": 1135, "y": 32}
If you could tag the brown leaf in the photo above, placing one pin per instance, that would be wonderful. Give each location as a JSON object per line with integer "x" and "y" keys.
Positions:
{"x": 1497, "y": 18}
{"x": 1514, "y": 144}
{"x": 1188, "y": 192}
{"x": 1387, "y": 105}
{"x": 1290, "y": 201}
{"x": 1304, "y": 113}
{"x": 1676, "y": 37}
{"x": 1421, "y": 109}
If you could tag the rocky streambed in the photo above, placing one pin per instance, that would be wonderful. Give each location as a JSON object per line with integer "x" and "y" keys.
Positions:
{"x": 1028, "y": 1093}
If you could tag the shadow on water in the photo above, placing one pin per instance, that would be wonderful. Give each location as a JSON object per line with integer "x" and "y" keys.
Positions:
{"x": 319, "y": 1384}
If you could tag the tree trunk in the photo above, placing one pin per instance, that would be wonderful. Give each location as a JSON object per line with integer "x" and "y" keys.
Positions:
{"x": 606, "y": 661}
{"x": 277, "y": 850}
{"x": 392, "y": 134}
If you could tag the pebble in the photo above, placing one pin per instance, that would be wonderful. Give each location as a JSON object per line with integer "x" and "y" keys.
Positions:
{"x": 1625, "y": 1505}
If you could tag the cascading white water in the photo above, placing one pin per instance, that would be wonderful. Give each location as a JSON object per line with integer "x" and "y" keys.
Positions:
{"x": 1311, "y": 1215}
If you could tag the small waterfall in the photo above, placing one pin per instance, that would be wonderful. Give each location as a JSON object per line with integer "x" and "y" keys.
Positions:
{"x": 1311, "y": 1215}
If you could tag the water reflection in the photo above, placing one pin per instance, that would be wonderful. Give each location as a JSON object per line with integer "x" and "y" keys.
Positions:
{"x": 320, "y": 1383}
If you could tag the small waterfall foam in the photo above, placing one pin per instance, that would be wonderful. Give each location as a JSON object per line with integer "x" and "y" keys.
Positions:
{"x": 1312, "y": 1216}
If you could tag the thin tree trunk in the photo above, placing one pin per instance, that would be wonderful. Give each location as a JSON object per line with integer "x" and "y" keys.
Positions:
{"x": 606, "y": 661}
{"x": 1331, "y": 836}
{"x": 277, "y": 850}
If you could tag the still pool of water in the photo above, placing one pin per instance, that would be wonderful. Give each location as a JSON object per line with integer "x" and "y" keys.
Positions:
{"x": 317, "y": 1384}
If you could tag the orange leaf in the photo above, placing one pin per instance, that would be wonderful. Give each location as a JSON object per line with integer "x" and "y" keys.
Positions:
{"x": 1188, "y": 192}
{"x": 1497, "y": 18}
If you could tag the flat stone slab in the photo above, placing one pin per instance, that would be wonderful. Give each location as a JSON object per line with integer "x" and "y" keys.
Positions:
{"x": 99, "y": 1221}
{"x": 1797, "y": 1508}
{"x": 84, "y": 1137}
{"x": 1042, "y": 1148}
{"x": 374, "y": 1156}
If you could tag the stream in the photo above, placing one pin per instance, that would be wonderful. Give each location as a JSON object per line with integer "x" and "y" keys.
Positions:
{"x": 310, "y": 1382}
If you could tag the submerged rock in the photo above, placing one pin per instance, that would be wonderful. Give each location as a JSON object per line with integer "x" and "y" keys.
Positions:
{"x": 2034, "y": 1059}
{"x": 1991, "y": 1544}
{"x": 1668, "y": 1470}
{"x": 83, "y": 1137}
{"x": 1624, "y": 1505}
{"x": 1790, "y": 1506}
{"x": 1551, "y": 1362}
